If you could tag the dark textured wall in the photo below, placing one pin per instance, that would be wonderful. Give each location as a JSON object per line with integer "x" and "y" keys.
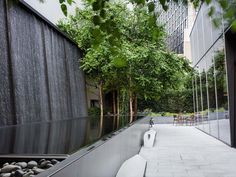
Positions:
{"x": 6, "y": 105}
{"x": 39, "y": 70}
{"x": 230, "y": 45}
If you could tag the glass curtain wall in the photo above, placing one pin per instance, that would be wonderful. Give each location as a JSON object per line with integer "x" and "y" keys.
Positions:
{"x": 210, "y": 78}
{"x": 211, "y": 95}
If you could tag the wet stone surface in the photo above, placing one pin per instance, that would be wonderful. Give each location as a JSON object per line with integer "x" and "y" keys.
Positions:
{"x": 26, "y": 169}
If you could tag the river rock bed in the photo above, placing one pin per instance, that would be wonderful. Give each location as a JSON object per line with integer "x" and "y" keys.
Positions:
{"x": 26, "y": 169}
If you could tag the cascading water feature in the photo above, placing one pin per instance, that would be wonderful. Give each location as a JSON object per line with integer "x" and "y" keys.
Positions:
{"x": 6, "y": 102}
{"x": 40, "y": 75}
{"x": 41, "y": 85}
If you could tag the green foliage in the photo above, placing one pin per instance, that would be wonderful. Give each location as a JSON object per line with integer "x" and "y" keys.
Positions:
{"x": 124, "y": 50}
{"x": 211, "y": 11}
{"x": 208, "y": 2}
{"x": 63, "y": 4}
{"x": 70, "y": 2}
{"x": 234, "y": 25}
{"x": 124, "y": 102}
{"x": 151, "y": 6}
{"x": 224, "y": 4}
{"x": 64, "y": 9}
{"x": 174, "y": 100}
{"x": 94, "y": 112}
{"x": 211, "y": 81}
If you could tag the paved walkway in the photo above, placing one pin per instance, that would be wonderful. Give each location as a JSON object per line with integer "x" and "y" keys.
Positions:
{"x": 182, "y": 151}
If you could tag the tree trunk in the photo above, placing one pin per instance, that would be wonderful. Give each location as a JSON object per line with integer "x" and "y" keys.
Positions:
{"x": 101, "y": 109}
{"x": 114, "y": 101}
{"x": 130, "y": 98}
{"x": 118, "y": 109}
{"x": 114, "y": 108}
{"x": 135, "y": 106}
{"x": 131, "y": 106}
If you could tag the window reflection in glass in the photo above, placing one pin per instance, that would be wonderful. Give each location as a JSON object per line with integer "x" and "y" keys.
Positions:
{"x": 201, "y": 113}
{"x": 197, "y": 93}
{"x": 194, "y": 97}
{"x": 206, "y": 109}
{"x": 222, "y": 91}
{"x": 212, "y": 94}
{"x": 204, "y": 98}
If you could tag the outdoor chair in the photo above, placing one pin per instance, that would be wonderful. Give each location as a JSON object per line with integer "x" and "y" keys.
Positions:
{"x": 190, "y": 120}
{"x": 198, "y": 118}
{"x": 178, "y": 120}
{"x": 181, "y": 119}
{"x": 175, "y": 120}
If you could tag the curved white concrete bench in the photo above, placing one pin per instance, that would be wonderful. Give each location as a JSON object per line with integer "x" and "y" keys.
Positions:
{"x": 133, "y": 167}
{"x": 149, "y": 138}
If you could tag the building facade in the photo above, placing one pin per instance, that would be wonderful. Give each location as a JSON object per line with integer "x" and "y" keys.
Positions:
{"x": 178, "y": 21}
{"x": 213, "y": 59}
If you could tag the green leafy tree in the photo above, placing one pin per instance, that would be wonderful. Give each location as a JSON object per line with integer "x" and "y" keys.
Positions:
{"x": 151, "y": 69}
{"x": 135, "y": 60}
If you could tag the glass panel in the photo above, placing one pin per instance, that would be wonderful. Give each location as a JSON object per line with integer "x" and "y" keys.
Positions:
{"x": 206, "y": 94}
{"x": 210, "y": 80}
{"x": 204, "y": 97}
{"x": 212, "y": 94}
{"x": 200, "y": 39}
{"x": 216, "y": 32}
{"x": 194, "y": 96}
{"x": 222, "y": 91}
{"x": 197, "y": 99}
{"x": 201, "y": 69}
{"x": 207, "y": 29}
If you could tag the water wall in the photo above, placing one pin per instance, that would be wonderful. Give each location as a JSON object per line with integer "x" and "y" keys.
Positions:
{"x": 40, "y": 78}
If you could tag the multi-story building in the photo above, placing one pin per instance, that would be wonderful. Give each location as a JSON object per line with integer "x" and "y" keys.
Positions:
{"x": 178, "y": 21}
{"x": 213, "y": 57}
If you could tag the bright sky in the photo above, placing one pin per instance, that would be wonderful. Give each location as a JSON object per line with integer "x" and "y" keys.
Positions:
{"x": 51, "y": 8}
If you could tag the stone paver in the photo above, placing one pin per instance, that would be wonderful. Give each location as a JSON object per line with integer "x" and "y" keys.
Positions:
{"x": 181, "y": 151}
